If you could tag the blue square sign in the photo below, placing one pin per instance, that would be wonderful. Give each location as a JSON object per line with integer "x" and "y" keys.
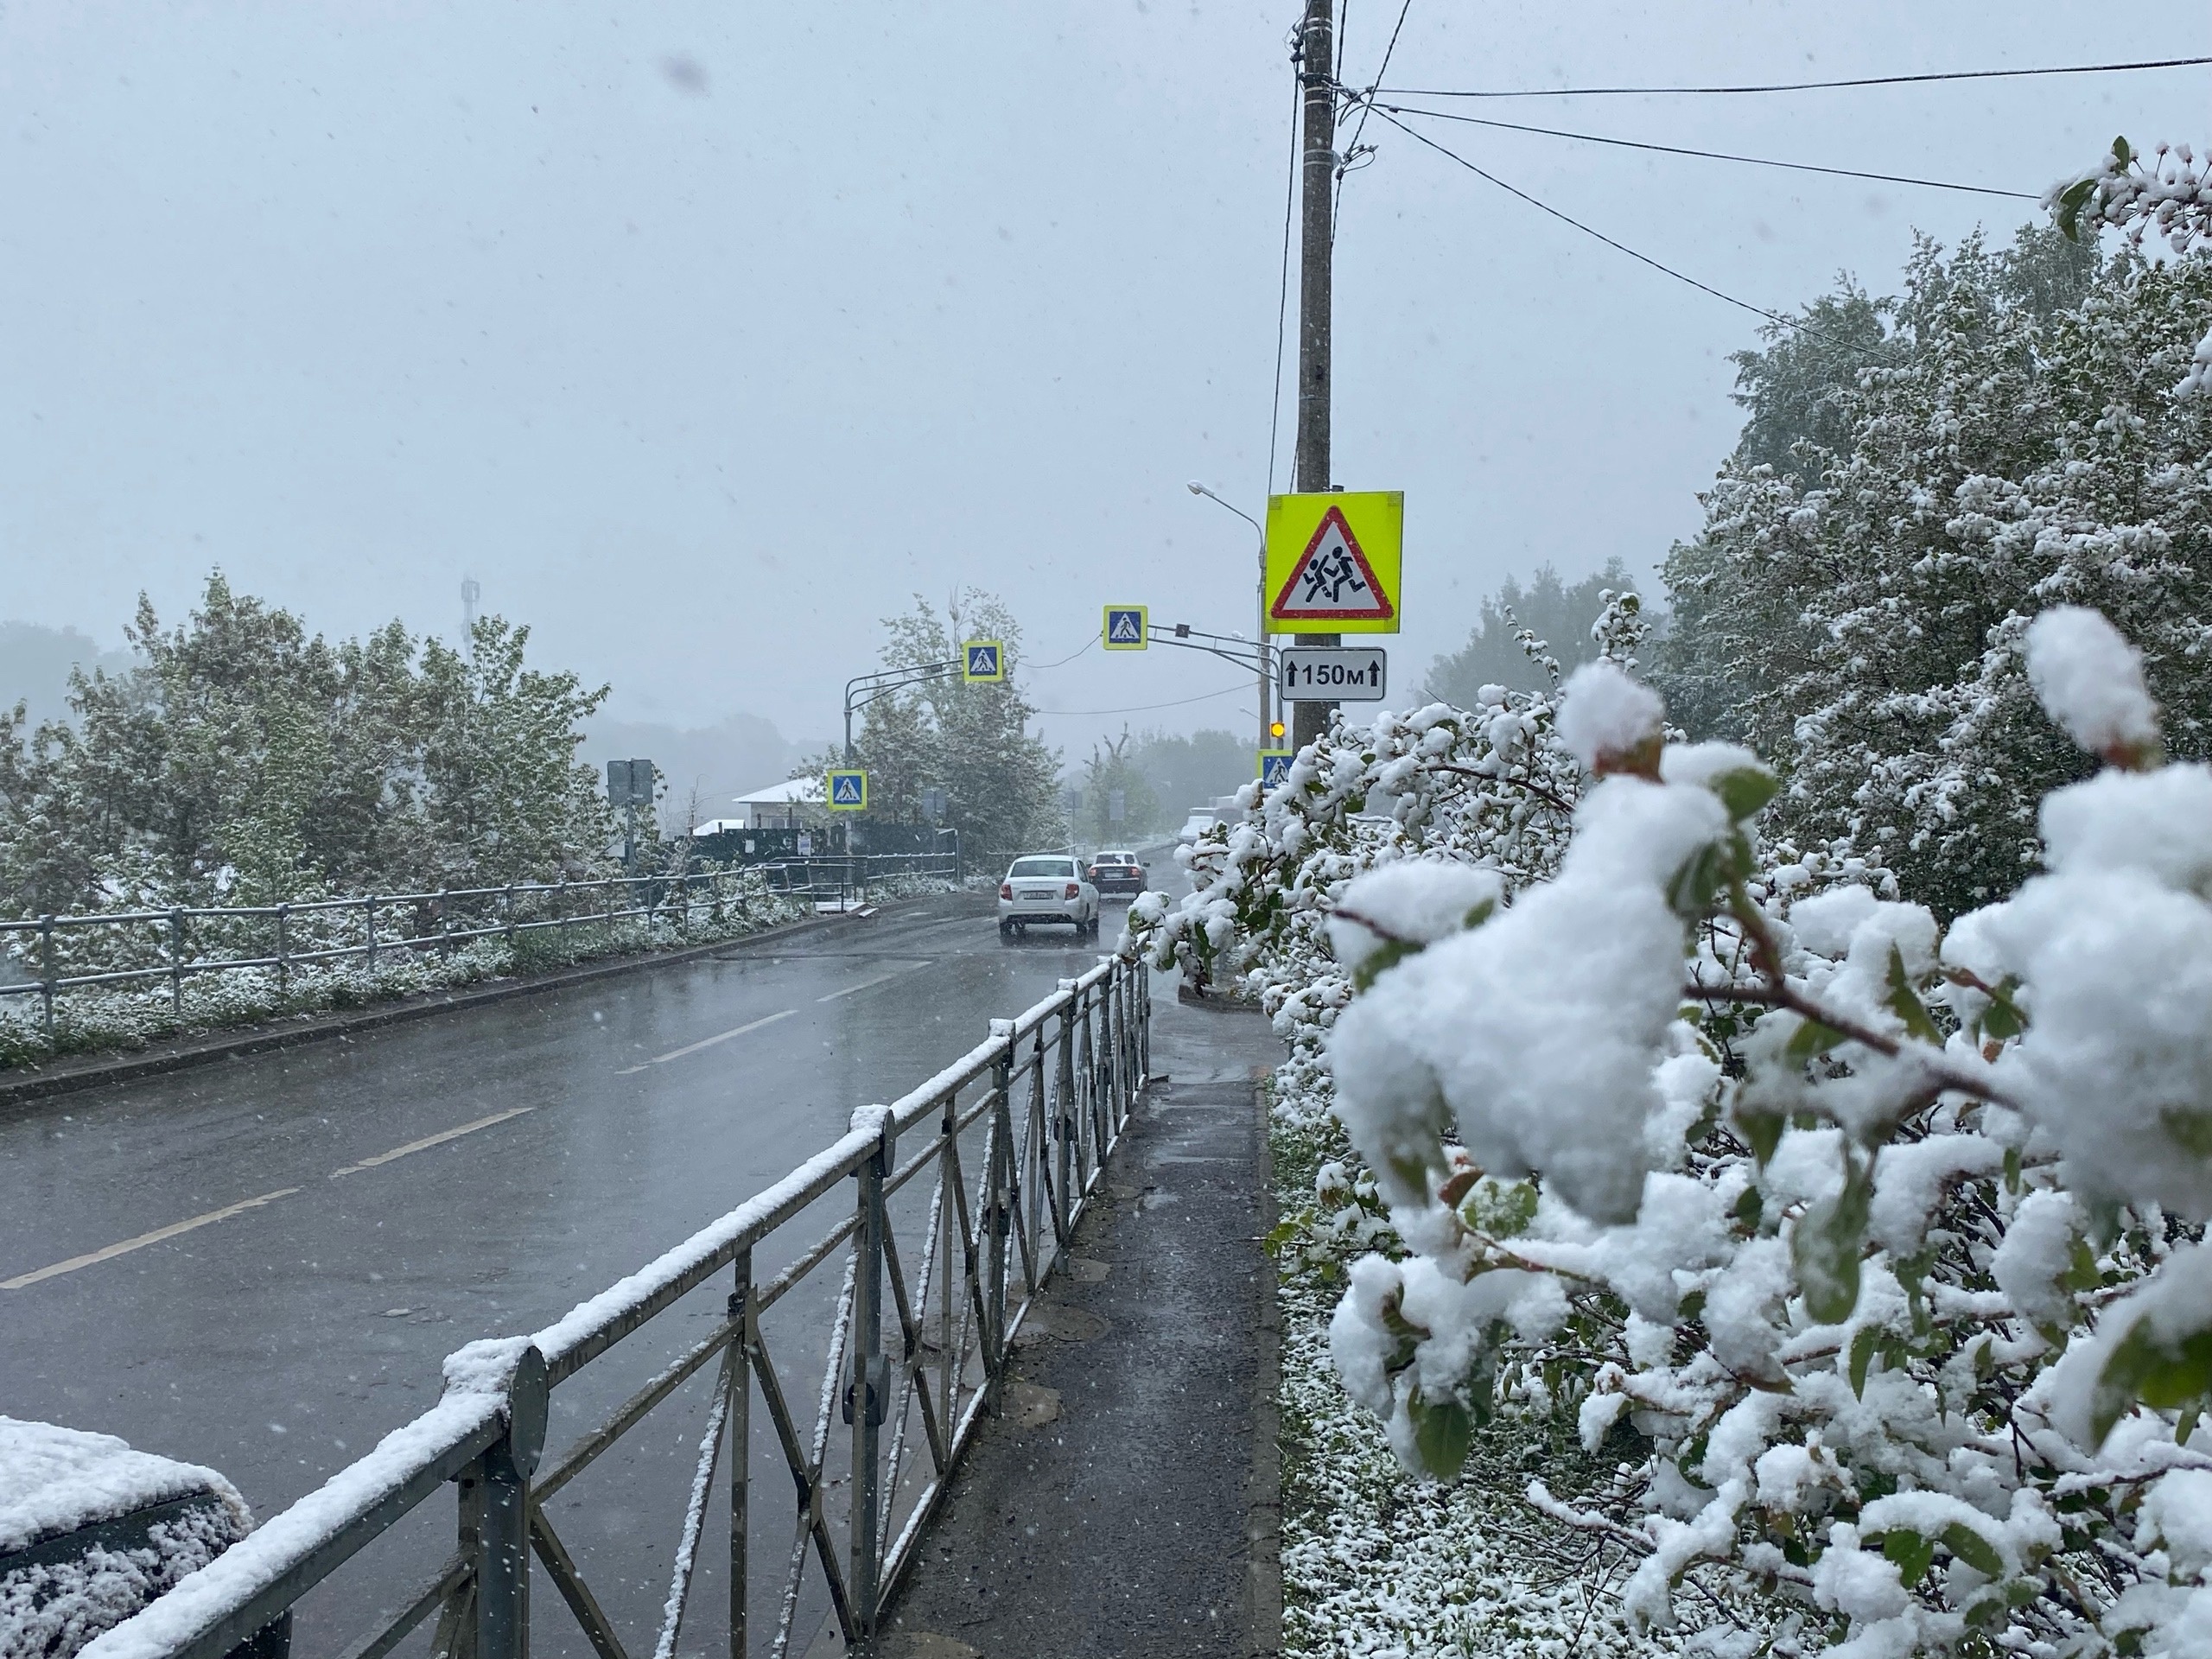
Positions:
{"x": 1125, "y": 628}
{"x": 1275, "y": 768}
{"x": 848, "y": 792}
{"x": 982, "y": 659}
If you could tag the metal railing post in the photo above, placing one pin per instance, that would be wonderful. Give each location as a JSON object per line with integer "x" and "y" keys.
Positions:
{"x": 510, "y": 906}
{"x": 46, "y": 972}
{"x": 445, "y": 923}
{"x": 176, "y": 961}
{"x": 738, "y": 1413}
{"x": 560, "y": 902}
{"x": 867, "y": 1391}
{"x": 503, "y": 1540}
{"x": 283, "y": 949}
{"x": 1067, "y": 1128}
{"x": 369, "y": 915}
{"x": 998, "y": 1206}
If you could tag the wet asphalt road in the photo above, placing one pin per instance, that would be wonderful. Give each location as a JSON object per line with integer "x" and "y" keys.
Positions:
{"x": 456, "y": 1177}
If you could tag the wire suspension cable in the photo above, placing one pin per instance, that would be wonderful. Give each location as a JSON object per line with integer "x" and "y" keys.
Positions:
{"x": 1706, "y": 154}
{"x": 1799, "y": 86}
{"x": 1282, "y": 294}
{"x": 1618, "y": 247}
{"x": 1336, "y": 209}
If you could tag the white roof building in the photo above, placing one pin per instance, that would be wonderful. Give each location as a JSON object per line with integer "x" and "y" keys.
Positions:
{"x": 780, "y": 806}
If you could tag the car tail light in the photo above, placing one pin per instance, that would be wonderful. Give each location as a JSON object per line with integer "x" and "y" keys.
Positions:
{"x": 1006, "y": 889}
{"x": 1074, "y": 891}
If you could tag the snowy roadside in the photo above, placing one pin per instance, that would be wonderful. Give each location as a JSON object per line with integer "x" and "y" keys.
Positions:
{"x": 1378, "y": 1563}
{"x": 94, "y": 1022}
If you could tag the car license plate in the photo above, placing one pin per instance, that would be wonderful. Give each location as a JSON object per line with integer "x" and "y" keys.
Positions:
{"x": 1033, "y": 897}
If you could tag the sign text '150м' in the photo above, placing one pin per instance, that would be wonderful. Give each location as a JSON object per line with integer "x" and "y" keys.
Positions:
{"x": 1332, "y": 673}
{"x": 1333, "y": 561}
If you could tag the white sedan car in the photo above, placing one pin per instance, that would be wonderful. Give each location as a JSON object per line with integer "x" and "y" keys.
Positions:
{"x": 1047, "y": 887}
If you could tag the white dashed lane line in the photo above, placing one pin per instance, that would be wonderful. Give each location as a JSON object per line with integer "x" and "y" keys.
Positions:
{"x": 108, "y": 1253}
{"x": 428, "y": 1141}
{"x": 706, "y": 1042}
{"x": 111, "y": 1251}
{"x": 879, "y": 979}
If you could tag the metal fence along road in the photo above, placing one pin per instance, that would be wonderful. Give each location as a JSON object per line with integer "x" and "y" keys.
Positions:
{"x": 143, "y": 948}
{"x": 1008, "y": 1145}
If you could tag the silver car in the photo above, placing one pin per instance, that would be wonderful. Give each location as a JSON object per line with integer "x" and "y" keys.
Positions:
{"x": 1047, "y": 887}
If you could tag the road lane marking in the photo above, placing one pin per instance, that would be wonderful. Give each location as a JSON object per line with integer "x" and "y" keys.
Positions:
{"x": 879, "y": 979}
{"x": 428, "y": 1141}
{"x": 144, "y": 1239}
{"x": 707, "y": 1042}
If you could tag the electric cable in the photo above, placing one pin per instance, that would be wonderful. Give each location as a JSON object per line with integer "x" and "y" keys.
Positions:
{"x": 1070, "y": 658}
{"x": 1282, "y": 294}
{"x": 1706, "y": 154}
{"x": 1618, "y": 247}
{"x": 1142, "y": 707}
{"x": 1798, "y": 86}
{"x": 1336, "y": 207}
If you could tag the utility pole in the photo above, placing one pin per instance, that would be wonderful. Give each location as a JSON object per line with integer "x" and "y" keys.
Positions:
{"x": 1316, "y": 73}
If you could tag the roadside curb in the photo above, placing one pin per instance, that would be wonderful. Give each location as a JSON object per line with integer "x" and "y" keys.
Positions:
{"x": 1263, "y": 1497}
{"x": 66, "y": 1077}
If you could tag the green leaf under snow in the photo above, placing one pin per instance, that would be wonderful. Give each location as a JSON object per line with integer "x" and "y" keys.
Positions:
{"x": 1825, "y": 1248}
{"x": 2070, "y": 203}
{"x": 1863, "y": 1345}
{"x": 2166, "y": 1373}
{"x": 1810, "y": 1038}
{"x": 1745, "y": 789}
{"x": 1384, "y": 956}
{"x": 1762, "y": 1132}
{"x": 2003, "y": 1018}
{"x": 1443, "y": 1431}
{"x": 1906, "y": 1002}
{"x": 2120, "y": 152}
{"x": 1976, "y": 1551}
{"x": 1913, "y": 1553}
{"x": 2188, "y": 1127}
{"x": 1501, "y": 1209}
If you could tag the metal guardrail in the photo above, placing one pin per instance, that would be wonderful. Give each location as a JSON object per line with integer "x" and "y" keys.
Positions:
{"x": 1010, "y": 1141}
{"x": 348, "y": 928}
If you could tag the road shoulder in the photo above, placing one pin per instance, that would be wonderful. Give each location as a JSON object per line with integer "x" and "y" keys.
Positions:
{"x": 1123, "y": 1499}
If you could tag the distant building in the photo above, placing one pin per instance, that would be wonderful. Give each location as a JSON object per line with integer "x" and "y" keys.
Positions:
{"x": 792, "y": 804}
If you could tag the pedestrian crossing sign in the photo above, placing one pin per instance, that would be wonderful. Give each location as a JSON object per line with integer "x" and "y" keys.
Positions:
{"x": 848, "y": 792}
{"x": 1333, "y": 561}
{"x": 1274, "y": 768}
{"x": 1125, "y": 628}
{"x": 982, "y": 659}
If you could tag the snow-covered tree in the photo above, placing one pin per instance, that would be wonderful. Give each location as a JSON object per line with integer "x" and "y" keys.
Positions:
{"x": 1857, "y": 613}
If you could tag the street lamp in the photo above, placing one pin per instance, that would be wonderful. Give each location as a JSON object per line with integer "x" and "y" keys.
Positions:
{"x": 1267, "y": 724}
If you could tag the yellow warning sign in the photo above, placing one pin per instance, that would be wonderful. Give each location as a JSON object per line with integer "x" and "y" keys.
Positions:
{"x": 1333, "y": 561}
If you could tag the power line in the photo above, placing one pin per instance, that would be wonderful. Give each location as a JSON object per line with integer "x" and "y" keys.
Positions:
{"x": 1143, "y": 708}
{"x": 1706, "y": 154}
{"x": 1282, "y": 294}
{"x": 1799, "y": 86}
{"x": 1070, "y": 658}
{"x": 1352, "y": 150}
{"x": 1618, "y": 247}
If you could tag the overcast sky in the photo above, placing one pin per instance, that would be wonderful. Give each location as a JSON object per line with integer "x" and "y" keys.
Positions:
{"x": 702, "y": 335}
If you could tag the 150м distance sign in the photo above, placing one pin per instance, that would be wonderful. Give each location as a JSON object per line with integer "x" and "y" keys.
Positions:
{"x": 1332, "y": 674}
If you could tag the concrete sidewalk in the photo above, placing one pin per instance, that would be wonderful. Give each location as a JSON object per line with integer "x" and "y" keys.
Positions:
{"x": 1124, "y": 1501}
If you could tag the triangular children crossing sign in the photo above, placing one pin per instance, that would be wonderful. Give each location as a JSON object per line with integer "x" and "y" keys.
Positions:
{"x": 1333, "y": 561}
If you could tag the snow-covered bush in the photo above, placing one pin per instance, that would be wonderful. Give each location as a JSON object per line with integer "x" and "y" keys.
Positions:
{"x": 1867, "y": 1250}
